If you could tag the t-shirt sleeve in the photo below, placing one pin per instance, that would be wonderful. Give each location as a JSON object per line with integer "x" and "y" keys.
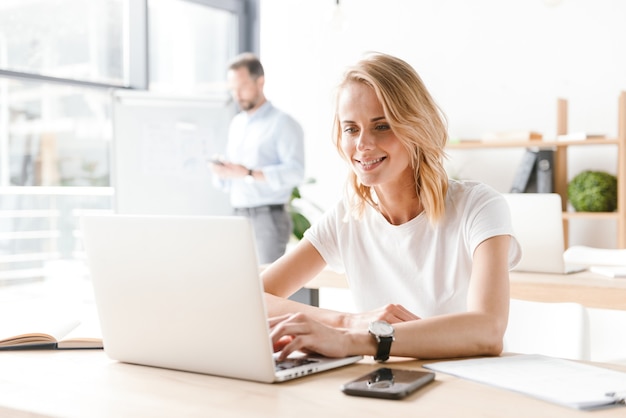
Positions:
{"x": 490, "y": 216}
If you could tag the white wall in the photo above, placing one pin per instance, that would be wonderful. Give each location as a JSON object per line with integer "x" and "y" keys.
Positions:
{"x": 492, "y": 65}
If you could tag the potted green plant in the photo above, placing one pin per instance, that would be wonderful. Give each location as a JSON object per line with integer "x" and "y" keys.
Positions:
{"x": 300, "y": 221}
{"x": 593, "y": 191}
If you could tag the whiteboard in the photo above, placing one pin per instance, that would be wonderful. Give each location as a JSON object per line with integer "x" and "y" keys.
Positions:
{"x": 160, "y": 149}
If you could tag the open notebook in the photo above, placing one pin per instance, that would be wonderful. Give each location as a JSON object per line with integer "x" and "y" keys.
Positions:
{"x": 538, "y": 226}
{"x": 184, "y": 293}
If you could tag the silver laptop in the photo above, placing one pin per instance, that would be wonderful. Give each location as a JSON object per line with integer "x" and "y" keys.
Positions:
{"x": 184, "y": 293}
{"x": 538, "y": 225}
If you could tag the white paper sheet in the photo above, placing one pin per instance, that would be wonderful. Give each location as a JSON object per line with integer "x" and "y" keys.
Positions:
{"x": 564, "y": 382}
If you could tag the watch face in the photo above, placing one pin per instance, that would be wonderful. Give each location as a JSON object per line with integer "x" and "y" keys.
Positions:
{"x": 381, "y": 328}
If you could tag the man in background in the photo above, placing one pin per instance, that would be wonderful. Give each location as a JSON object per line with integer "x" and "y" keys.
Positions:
{"x": 264, "y": 159}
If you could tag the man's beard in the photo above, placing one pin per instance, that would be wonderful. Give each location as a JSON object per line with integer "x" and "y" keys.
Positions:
{"x": 246, "y": 106}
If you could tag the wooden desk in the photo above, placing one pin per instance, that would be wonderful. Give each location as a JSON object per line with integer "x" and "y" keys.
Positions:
{"x": 589, "y": 289}
{"x": 85, "y": 383}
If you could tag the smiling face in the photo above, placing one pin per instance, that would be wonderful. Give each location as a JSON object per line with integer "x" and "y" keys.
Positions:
{"x": 374, "y": 152}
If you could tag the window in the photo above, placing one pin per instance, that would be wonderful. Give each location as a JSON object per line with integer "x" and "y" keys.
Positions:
{"x": 190, "y": 46}
{"x": 72, "y": 39}
{"x": 56, "y": 135}
{"x": 59, "y": 61}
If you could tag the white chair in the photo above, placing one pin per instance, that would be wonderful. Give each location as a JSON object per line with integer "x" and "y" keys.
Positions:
{"x": 552, "y": 329}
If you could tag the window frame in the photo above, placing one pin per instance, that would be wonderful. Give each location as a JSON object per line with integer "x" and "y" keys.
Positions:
{"x": 247, "y": 12}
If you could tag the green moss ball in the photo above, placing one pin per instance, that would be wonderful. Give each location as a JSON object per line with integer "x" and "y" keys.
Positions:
{"x": 593, "y": 191}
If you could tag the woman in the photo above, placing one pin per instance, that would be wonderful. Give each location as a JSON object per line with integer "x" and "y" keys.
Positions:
{"x": 427, "y": 256}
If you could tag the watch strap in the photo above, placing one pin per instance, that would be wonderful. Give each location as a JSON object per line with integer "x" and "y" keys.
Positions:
{"x": 384, "y": 347}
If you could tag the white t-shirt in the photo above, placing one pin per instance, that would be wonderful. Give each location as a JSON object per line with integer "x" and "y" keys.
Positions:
{"x": 424, "y": 268}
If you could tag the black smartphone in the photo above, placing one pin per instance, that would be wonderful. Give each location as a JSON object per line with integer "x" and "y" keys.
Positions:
{"x": 388, "y": 383}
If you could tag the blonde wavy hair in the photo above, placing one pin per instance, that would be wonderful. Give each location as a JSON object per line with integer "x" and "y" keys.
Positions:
{"x": 413, "y": 117}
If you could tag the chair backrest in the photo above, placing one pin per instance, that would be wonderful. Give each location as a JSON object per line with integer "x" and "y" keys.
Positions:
{"x": 552, "y": 329}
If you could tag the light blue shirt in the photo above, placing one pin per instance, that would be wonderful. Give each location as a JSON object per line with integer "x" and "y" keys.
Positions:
{"x": 271, "y": 141}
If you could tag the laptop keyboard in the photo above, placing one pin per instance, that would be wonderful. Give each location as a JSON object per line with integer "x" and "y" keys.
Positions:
{"x": 294, "y": 362}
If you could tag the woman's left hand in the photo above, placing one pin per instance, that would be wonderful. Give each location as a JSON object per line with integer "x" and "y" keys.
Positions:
{"x": 392, "y": 313}
{"x": 299, "y": 332}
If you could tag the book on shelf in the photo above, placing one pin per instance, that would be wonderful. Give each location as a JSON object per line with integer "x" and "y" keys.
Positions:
{"x": 545, "y": 171}
{"x": 535, "y": 174}
{"x": 524, "y": 172}
{"x": 49, "y": 331}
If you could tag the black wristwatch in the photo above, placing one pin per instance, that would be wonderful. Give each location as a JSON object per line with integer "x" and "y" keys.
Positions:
{"x": 249, "y": 177}
{"x": 383, "y": 332}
